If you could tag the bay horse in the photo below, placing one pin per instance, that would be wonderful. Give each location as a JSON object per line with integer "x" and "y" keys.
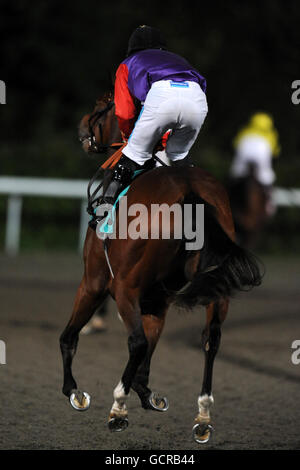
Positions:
{"x": 251, "y": 207}
{"x": 145, "y": 276}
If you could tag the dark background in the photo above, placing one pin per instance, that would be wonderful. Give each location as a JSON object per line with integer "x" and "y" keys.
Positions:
{"x": 58, "y": 57}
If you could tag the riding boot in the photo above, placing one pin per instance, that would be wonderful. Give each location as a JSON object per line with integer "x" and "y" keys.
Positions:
{"x": 114, "y": 182}
{"x": 186, "y": 161}
{"x": 121, "y": 177}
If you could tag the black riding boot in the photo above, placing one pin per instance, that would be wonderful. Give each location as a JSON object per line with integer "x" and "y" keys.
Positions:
{"x": 186, "y": 161}
{"x": 121, "y": 177}
{"x": 114, "y": 182}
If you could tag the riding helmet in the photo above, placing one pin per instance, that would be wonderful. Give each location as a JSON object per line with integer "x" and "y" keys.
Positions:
{"x": 262, "y": 121}
{"x": 145, "y": 37}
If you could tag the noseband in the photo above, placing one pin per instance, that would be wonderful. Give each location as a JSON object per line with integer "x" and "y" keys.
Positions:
{"x": 93, "y": 120}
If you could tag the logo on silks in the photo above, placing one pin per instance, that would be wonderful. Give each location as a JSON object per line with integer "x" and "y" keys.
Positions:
{"x": 2, "y": 92}
{"x": 159, "y": 221}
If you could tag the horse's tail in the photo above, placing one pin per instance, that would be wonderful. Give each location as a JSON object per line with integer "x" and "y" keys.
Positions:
{"x": 222, "y": 267}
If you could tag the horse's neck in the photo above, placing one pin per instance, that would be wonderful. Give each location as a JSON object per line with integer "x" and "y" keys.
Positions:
{"x": 116, "y": 134}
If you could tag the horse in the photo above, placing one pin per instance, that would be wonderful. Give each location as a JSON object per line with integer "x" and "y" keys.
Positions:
{"x": 145, "y": 276}
{"x": 251, "y": 207}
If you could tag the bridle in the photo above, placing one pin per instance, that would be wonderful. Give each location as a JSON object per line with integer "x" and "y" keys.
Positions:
{"x": 94, "y": 119}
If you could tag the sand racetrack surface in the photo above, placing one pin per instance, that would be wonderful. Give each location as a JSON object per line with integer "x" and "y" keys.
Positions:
{"x": 256, "y": 386}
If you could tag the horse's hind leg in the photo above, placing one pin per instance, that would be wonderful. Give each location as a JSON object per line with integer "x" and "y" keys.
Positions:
{"x": 86, "y": 302}
{"x": 153, "y": 325}
{"x": 137, "y": 345}
{"x": 211, "y": 336}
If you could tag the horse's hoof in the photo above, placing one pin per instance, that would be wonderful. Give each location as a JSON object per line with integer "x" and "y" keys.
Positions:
{"x": 157, "y": 403}
{"x": 202, "y": 433}
{"x": 117, "y": 424}
{"x": 80, "y": 401}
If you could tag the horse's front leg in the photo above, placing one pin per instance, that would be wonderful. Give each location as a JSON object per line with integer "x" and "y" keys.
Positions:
{"x": 211, "y": 336}
{"x": 91, "y": 294}
{"x": 85, "y": 304}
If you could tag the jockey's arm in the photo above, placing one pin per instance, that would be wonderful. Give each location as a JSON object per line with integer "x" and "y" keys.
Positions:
{"x": 125, "y": 107}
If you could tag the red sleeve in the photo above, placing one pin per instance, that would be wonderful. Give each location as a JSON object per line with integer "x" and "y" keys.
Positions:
{"x": 124, "y": 102}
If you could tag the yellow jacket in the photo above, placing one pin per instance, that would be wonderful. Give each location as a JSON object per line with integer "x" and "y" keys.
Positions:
{"x": 261, "y": 124}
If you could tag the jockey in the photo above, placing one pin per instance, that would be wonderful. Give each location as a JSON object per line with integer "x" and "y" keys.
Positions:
{"x": 255, "y": 145}
{"x": 155, "y": 91}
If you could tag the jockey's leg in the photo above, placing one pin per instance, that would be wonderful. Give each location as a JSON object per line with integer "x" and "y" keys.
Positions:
{"x": 191, "y": 119}
{"x": 265, "y": 173}
{"x": 144, "y": 137}
{"x": 121, "y": 177}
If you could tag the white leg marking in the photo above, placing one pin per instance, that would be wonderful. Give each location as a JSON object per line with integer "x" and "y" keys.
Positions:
{"x": 204, "y": 404}
{"x": 119, "y": 405}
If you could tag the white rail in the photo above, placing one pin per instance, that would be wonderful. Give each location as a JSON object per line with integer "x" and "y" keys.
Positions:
{"x": 18, "y": 187}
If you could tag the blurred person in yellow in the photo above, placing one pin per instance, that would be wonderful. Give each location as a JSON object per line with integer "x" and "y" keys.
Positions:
{"x": 255, "y": 146}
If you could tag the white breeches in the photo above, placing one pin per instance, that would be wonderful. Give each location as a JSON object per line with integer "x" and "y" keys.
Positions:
{"x": 179, "y": 106}
{"x": 254, "y": 150}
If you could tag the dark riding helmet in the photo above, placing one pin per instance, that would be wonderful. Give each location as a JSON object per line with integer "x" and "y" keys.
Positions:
{"x": 145, "y": 37}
